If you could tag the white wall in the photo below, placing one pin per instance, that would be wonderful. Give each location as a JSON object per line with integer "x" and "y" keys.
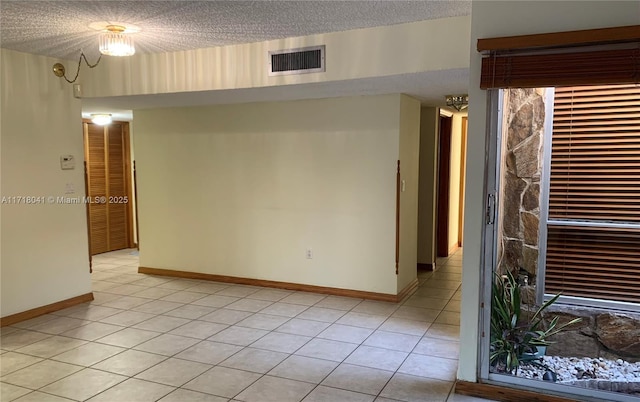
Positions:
{"x": 361, "y": 53}
{"x": 455, "y": 179}
{"x": 44, "y": 247}
{"x": 244, "y": 190}
{"x": 409, "y": 169}
{"x": 495, "y": 19}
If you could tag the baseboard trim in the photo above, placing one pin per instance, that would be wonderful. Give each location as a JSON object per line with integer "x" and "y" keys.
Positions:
{"x": 454, "y": 248}
{"x": 49, "y": 308}
{"x": 426, "y": 267}
{"x": 276, "y": 284}
{"x": 408, "y": 290}
{"x": 504, "y": 394}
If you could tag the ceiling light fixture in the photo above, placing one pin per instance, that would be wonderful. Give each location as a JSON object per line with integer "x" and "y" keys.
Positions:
{"x": 101, "y": 119}
{"x": 458, "y": 102}
{"x": 114, "y": 42}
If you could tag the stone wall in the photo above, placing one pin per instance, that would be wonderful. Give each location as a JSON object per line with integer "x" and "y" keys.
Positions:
{"x": 520, "y": 195}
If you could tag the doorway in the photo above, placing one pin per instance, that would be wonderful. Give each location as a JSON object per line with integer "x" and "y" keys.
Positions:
{"x": 109, "y": 186}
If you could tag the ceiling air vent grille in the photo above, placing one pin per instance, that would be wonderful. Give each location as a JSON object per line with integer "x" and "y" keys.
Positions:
{"x": 297, "y": 61}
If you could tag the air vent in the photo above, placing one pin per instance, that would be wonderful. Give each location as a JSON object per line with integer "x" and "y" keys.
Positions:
{"x": 297, "y": 61}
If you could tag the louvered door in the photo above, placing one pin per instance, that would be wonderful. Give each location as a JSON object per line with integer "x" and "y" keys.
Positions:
{"x": 108, "y": 172}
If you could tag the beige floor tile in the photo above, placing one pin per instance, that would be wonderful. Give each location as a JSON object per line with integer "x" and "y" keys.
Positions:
{"x": 362, "y": 320}
{"x": 430, "y": 366}
{"x": 184, "y": 297}
{"x": 306, "y": 299}
{"x": 322, "y": 314}
{"x": 103, "y": 286}
{"x": 167, "y": 345}
{"x": 19, "y": 338}
{"x": 239, "y": 335}
{"x": 184, "y": 395}
{"x": 435, "y": 293}
{"x": 7, "y": 330}
{"x": 284, "y": 309}
{"x": 92, "y": 331}
{"x": 129, "y": 362}
{"x": 251, "y": 305}
{"x": 199, "y": 329}
{"x": 126, "y": 289}
{"x": 442, "y": 284}
{"x": 426, "y": 302}
{"x": 345, "y": 333}
{"x": 378, "y": 358}
{"x": 410, "y": 388}
{"x": 279, "y": 342}
{"x": 40, "y": 374}
{"x": 215, "y": 301}
{"x": 263, "y": 321}
{"x": 124, "y": 278}
{"x": 338, "y": 303}
{"x": 298, "y": 326}
{"x": 148, "y": 280}
{"x": 273, "y": 389}
{"x": 303, "y": 368}
{"x": 134, "y": 390}
{"x": 359, "y": 379}
{"x": 442, "y": 331}
{"x": 392, "y": 340}
{"x": 328, "y": 394}
{"x": 102, "y": 299}
{"x": 449, "y": 276}
{"x": 190, "y": 311}
{"x": 448, "y": 318}
{"x": 157, "y": 306}
{"x": 10, "y": 392}
{"x": 209, "y": 352}
{"x": 59, "y": 325}
{"x": 128, "y": 337}
{"x": 376, "y": 308}
{"x": 457, "y": 295}
{"x": 327, "y": 349}
{"x": 34, "y": 321}
{"x": 404, "y": 326}
{"x": 224, "y": 316}
{"x": 93, "y": 313}
{"x": 51, "y": 346}
{"x": 179, "y": 284}
{"x": 175, "y": 372}
{"x": 161, "y": 323}
{"x": 453, "y": 305}
{"x": 83, "y": 384}
{"x": 438, "y": 347}
{"x": 125, "y": 302}
{"x": 42, "y": 397}
{"x": 11, "y": 361}
{"x": 88, "y": 354}
{"x": 416, "y": 314}
{"x": 238, "y": 291}
{"x": 270, "y": 294}
{"x": 127, "y": 318}
{"x": 222, "y": 381}
{"x": 255, "y": 360}
{"x": 208, "y": 288}
{"x": 154, "y": 293}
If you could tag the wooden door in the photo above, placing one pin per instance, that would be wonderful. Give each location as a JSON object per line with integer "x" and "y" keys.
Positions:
{"x": 444, "y": 173}
{"x": 107, "y": 156}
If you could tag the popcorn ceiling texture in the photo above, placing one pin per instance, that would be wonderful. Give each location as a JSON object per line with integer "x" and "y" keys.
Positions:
{"x": 61, "y": 28}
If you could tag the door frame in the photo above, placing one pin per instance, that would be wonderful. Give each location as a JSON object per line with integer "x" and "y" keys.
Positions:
{"x": 443, "y": 185}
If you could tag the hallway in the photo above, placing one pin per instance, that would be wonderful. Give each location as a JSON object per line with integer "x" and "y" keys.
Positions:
{"x": 150, "y": 338}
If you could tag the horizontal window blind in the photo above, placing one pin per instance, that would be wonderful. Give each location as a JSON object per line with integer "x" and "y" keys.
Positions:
{"x": 600, "y": 263}
{"x": 595, "y": 157}
{"x": 595, "y": 181}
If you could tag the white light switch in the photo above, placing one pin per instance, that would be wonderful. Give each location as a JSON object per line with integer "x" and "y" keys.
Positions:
{"x": 67, "y": 162}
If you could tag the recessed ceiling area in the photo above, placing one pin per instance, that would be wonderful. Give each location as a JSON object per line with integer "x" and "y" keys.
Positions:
{"x": 62, "y": 29}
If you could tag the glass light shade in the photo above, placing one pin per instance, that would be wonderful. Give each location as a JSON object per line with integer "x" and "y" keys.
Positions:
{"x": 116, "y": 44}
{"x": 101, "y": 119}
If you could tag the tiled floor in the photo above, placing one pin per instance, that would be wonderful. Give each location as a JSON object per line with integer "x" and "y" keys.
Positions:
{"x": 149, "y": 338}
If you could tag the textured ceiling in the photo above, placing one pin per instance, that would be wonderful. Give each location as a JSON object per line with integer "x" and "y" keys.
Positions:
{"x": 61, "y": 28}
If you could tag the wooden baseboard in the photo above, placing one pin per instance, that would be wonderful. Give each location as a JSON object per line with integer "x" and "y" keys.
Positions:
{"x": 279, "y": 285}
{"x": 504, "y": 394}
{"x": 49, "y": 308}
{"x": 454, "y": 248}
{"x": 426, "y": 267}
{"x": 408, "y": 290}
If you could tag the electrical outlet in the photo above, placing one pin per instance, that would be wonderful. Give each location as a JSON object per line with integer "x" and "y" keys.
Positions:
{"x": 309, "y": 254}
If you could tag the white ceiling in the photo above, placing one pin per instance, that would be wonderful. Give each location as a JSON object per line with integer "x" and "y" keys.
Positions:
{"x": 61, "y": 29}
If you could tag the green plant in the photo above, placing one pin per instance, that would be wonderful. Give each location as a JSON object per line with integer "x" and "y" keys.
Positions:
{"x": 514, "y": 330}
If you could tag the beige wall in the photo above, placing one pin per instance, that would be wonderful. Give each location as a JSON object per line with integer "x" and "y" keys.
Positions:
{"x": 495, "y": 19}
{"x": 455, "y": 179}
{"x": 44, "y": 247}
{"x": 244, "y": 190}
{"x": 361, "y": 53}
{"x": 429, "y": 119}
{"x": 409, "y": 169}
